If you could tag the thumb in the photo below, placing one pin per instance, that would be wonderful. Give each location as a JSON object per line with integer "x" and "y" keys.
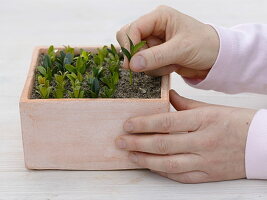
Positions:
{"x": 182, "y": 103}
{"x": 154, "y": 57}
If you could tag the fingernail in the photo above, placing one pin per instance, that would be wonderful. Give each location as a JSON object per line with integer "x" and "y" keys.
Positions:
{"x": 121, "y": 143}
{"x": 128, "y": 126}
{"x": 133, "y": 157}
{"x": 138, "y": 63}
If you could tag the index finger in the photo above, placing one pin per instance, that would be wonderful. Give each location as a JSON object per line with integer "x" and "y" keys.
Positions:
{"x": 137, "y": 30}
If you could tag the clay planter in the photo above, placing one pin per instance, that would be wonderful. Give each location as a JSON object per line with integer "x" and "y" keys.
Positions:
{"x": 78, "y": 134}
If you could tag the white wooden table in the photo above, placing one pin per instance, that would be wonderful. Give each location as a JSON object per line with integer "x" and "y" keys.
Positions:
{"x": 25, "y": 24}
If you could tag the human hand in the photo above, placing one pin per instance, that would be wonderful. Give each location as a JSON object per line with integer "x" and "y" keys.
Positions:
{"x": 213, "y": 149}
{"x": 175, "y": 42}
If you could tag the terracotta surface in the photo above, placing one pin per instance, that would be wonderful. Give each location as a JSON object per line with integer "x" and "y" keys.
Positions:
{"x": 78, "y": 134}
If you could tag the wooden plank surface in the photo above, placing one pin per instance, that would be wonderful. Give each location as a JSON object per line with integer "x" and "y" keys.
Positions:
{"x": 25, "y": 24}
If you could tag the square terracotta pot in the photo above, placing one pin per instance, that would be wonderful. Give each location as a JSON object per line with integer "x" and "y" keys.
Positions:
{"x": 78, "y": 134}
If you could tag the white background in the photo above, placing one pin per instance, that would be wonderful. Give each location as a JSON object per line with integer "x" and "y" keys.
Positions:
{"x": 25, "y": 24}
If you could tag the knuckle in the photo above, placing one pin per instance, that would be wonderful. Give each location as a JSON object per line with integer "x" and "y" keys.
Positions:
{"x": 119, "y": 37}
{"x": 187, "y": 43}
{"x": 188, "y": 51}
{"x": 166, "y": 123}
{"x": 172, "y": 166}
{"x": 129, "y": 125}
{"x": 197, "y": 117}
{"x": 143, "y": 161}
{"x": 131, "y": 26}
{"x": 162, "y": 7}
{"x": 210, "y": 143}
{"x": 215, "y": 161}
{"x": 136, "y": 144}
{"x": 157, "y": 56}
{"x": 160, "y": 145}
{"x": 125, "y": 28}
{"x": 210, "y": 116}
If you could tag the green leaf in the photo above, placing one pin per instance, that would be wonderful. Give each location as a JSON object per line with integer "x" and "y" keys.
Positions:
{"x": 131, "y": 44}
{"x": 81, "y": 95}
{"x": 116, "y": 78}
{"x": 51, "y": 53}
{"x": 41, "y": 80}
{"x": 76, "y": 91}
{"x": 113, "y": 49}
{"x": 41, "y": 70}
{"x": 70, "y": 68}
{"x": 59, "y": 93}
{"x": 97, "y": 60}
{"x": 44, "y": 91}
{"x": 79, "y": 77}
{"x": 138, "y": 46}
{"x": 85, "y": 55}
{"x": 47, "y": 62}
{"x": 97, "y": 71}
{"x": 62, "y": 55}
{"x": 80, "y": 65}
{"x": 96, "y": 86}
{"x": 51, "y": 49}
{"x": 72, "y": 77}
{"x": 126, "y": 53}
{"x": 107, "y": 92}
{"x": 107, "y": 81}
{"x": 70, "y": 94}
{"x": 102, "y": 53}
{"x": 49, "y": 74}
{"x": 68, "y": 59}
{"x": 69, "y": 49}
{"x": 79, "y": 62}
{"x": 59, "y": 79}
{"x": 59, "y": 62}
{"x": 113, "y": 68}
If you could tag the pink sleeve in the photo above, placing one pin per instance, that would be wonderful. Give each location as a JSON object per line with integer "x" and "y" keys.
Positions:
{"x": 241, "y": 66}
{"x": 256, "y": 147}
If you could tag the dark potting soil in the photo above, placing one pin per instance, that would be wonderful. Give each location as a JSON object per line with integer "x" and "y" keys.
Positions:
{"x": 143, "y": 86}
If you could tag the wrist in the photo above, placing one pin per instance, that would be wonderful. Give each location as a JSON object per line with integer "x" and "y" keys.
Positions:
{"x": 212, "y": 43}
